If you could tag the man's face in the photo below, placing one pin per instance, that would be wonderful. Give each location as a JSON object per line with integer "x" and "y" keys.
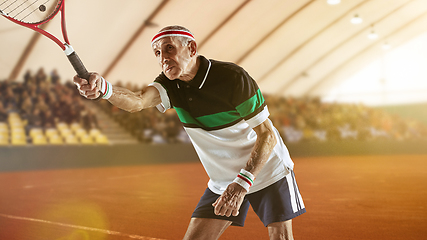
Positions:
{"x": 172, "y": 56}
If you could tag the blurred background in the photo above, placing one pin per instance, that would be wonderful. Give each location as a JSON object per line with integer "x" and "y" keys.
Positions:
{"x": 346, "y": 86}
{"x": 330, "y": 70}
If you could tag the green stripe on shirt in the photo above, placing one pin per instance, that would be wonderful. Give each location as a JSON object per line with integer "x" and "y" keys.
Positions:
{"x": 185, "y": 117}
{"x": 249, "y": 106}
{"x": 223, "y": 118}
{"x": 219, "y": 119}
{"x": 212, "y": 120}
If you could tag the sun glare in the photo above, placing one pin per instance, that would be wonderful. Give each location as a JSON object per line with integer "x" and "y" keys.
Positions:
{"x": 399, "y": 76}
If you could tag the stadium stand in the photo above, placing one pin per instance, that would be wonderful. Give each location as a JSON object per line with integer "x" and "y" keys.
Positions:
{"x": 298, "y": 120}
{"x": 42, "y": 111}
{"x": 309, "y": 119}
{"x": 47, "y": 125}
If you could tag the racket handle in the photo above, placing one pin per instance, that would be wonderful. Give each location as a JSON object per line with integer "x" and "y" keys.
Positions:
{"x": 80, "y": 68}
{"x": 78, "y": 65}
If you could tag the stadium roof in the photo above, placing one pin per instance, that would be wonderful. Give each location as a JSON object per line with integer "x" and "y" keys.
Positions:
{"x": 291, "y": 47}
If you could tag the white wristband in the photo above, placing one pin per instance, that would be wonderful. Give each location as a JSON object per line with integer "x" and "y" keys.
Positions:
{"x": 242, "y": 183}
{"x": 247, "y": 174}
{"x": 106, "y": 89}
{"x": 245, "y": 179}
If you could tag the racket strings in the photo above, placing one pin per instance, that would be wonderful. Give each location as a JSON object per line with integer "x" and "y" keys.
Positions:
{"x": 31, "y": 11}
{"x": 3, "y": 2}
{"x": 18, "y": 7}
{"x": 8, "y": 5}
{"x": 23, "y": 9}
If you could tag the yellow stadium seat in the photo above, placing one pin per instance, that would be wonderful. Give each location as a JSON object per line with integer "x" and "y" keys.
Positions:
{"x": 94, "y": 132}
{"x": 19, "y": 140}
{"x": 55, "y": 140}
{"x": 4, "y": 136}
{"x": 39, "y": 140}
{"x": 75, "y": 126}
{"x": 86, "y": 139}
{"x": 65, "y": 132}
{"x": 4, "y": 140}
{"x": 80, "y": 132}
{"x": 18, "y": 135}
{"x": 13, "y": 116}
{"x": 61, "y": 125}
{"x": 101, "y": 139}
{"x": 17, "y": 129}
{"x": 51, "y": 132}
{"x": 16, "y": 125}
{"x": 4, "y": 131}
{"x": 3, "y": 125}
{"x": 35, "y": 132}
{"x": 71, "y": 139}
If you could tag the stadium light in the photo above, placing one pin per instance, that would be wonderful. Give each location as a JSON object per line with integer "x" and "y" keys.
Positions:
{"x": 333, "y": 2}
{"x": 386, "y": 46}
{"x": 356, "y": 19}
{"x": 373, "y": 35}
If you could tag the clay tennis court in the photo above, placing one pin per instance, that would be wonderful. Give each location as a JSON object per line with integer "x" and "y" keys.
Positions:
{"x": 351, "y": 197}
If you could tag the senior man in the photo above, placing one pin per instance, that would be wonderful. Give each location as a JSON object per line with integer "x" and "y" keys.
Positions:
{"x": 226, "y": 118}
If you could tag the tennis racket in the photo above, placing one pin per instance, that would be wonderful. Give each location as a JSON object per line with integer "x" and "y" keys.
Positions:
{"x": 34, "y": 13}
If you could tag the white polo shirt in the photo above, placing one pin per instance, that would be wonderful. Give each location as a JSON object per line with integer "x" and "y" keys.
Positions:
{"x": 219, "y": 109}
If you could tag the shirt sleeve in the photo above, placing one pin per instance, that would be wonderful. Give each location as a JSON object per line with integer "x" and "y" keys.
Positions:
{"x": 248, "y": 99}
{"x": 166, "y": 104}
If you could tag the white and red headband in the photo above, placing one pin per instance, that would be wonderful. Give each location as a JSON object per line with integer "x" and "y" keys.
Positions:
{"x": 172, "y": 33}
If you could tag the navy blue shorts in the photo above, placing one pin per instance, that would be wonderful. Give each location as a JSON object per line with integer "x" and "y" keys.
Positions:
{"x": 278, "y": 202}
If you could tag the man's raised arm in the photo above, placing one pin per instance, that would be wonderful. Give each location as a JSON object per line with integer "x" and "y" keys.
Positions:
{"x": 121, "y": 97}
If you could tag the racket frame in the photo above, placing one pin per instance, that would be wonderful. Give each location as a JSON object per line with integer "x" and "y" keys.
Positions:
{"x": 36, "y": 26}
{"x": 66, "y": 47}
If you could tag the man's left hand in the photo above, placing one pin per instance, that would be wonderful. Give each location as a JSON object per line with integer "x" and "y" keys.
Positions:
{"x": 229, "y": 202}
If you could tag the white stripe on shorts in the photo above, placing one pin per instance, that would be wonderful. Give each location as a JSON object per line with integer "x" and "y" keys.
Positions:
{"x": 296, "y": 199}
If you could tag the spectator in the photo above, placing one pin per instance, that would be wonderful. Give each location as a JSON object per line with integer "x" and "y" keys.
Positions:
{"x": 35, "y": 119}
{"x": 48, "y": 120}
{"x": 3, "y": 113}
{"x": 54, "y": 77}
{"x": 89, "y": 120}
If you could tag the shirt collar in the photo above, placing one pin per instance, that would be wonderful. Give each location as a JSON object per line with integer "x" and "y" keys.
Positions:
{"x": 202, "y": 73}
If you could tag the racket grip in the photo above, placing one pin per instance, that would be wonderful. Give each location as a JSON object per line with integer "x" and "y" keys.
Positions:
{"x": 78, "y": 65}
{"x": 80, "y": 69}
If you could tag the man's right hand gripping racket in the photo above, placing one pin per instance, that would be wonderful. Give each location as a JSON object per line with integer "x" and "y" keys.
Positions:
{"x": 34, "y": 13}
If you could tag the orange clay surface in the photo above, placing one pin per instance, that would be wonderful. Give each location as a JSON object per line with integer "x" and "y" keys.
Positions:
{"x": 357, "y": 197}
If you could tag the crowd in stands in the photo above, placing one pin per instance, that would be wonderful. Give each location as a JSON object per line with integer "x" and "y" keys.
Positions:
{"x": 43, "y": 102}
{"x": 148, "y": 125}
{"x": 309, "y": 119}
{"x": 297, "y": 119}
